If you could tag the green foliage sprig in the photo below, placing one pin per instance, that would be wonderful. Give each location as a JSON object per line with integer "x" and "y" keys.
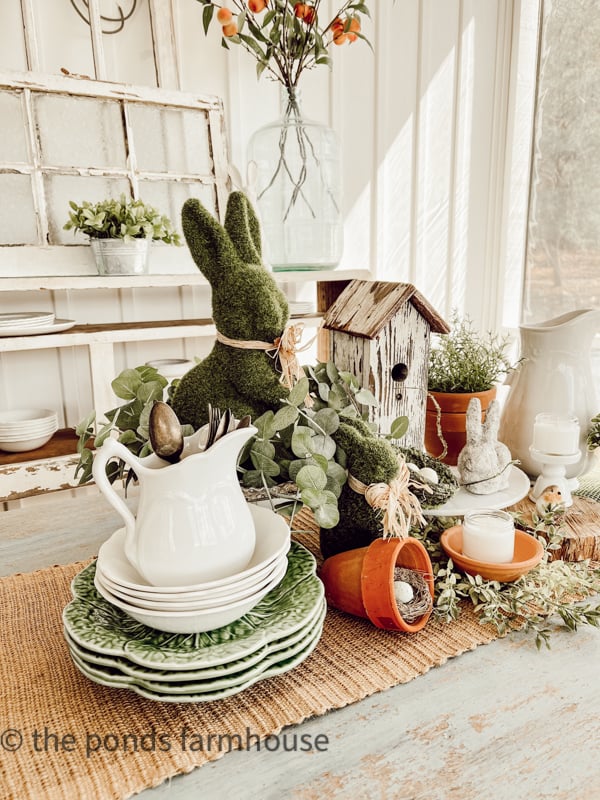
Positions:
{"x": 121, "y": 219}
{"x": 528, "y": 602}
{"x": 465, "y": 360}
{"x": 593, "y": 437}
{"x": 285, "y": 37}
{"x": 139, "y": 387}
{"x": 293, "y": 443}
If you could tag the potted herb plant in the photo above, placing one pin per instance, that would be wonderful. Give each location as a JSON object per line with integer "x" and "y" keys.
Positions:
{"x": 120, "y": 233}
{"x": 462, "y": 364}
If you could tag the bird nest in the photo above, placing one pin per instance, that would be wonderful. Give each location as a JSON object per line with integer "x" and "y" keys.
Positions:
{"x": 430, "y": 494}
{"x": 421, "y": 601}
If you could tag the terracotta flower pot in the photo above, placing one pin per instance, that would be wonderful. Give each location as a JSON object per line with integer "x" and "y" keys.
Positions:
{"x": 453, "y": 407}
{"x": 361, "y": 581}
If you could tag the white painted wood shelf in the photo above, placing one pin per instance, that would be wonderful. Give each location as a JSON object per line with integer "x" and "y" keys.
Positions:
{"x": 80, "y": 282}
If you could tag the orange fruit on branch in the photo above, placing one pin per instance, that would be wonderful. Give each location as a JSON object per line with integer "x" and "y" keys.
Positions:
{"x": 224, "y": 16}
{"x": 230, "y": 29}
{"x": 256, "y": 6}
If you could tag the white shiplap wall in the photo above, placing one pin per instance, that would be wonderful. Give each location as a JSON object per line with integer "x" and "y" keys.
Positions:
{"x": 422, "y": 122}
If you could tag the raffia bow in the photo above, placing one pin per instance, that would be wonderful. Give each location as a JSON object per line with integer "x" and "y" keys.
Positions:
{"x": 284, "y": 348}
{"x": 399, "y": 505}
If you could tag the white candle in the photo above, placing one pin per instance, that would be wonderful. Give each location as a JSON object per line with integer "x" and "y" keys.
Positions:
{"x": 488, "y": 535}
{"x": 556, "y": 434}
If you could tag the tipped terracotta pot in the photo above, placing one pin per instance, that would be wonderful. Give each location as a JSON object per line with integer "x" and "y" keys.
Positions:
{"x": 453, "y": 421}
{"x": 361, "y": 581}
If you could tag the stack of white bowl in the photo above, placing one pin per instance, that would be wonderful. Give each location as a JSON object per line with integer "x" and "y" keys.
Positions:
{"x": 202, "y": 606}
{"x": 26, "y": 428}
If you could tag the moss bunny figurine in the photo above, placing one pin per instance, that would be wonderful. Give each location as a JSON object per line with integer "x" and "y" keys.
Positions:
{"x": 483, "y": 463}
{"x": 246, "y": 305}
{"x": 371, "y": 460}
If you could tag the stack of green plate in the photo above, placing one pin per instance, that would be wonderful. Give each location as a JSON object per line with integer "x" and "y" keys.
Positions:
{"x": 112, "y": 649}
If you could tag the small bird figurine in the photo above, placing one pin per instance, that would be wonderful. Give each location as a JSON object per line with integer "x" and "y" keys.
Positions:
{"x": 550, "y": 499}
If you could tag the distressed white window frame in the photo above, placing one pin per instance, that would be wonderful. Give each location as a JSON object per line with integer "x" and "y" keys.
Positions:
{"x": 163, "y": 40}
{"x": 28, "y": 260}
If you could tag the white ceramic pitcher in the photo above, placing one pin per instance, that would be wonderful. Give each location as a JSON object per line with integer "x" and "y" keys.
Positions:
{"x": 555, "y": 376}
{"x": 193, "y": 523}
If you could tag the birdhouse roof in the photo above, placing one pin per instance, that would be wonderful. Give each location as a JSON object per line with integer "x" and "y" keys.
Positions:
{"x": 364, "y": 308}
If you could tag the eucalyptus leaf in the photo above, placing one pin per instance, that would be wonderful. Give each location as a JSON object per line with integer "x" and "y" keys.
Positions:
{"x": 83, "y": 428}
{"x": 265, "y": 425}
{"x": 326, "y": 421}
{"x": 264, "y": 464}
{"x": 311, "y": 478}
{"x": 398, "y": 427}
{"x": 365, "y": 397}
{"x": 264, "y": 448}
{"x": 302, "y": 442}
{"x": 126, "y": 384}
{"x": 323, "y": 445}
{"x": 299, "y": 392}
{"x": 285, "y": 417}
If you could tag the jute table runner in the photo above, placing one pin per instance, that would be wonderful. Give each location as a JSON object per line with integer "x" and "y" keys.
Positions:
{"x": 63, "y": 736}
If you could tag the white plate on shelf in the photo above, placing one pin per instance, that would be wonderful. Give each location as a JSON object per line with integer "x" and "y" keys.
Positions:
{"x": 25, "y": 318}
{"x": 463, "y": 501}
{"x": 55, "y": 327}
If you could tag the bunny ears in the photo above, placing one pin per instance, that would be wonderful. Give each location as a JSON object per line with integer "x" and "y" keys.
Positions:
{"x": 478, "y": 431}
{"x": 216, "y": 248}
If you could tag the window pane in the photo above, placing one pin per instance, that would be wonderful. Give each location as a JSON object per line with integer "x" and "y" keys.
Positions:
{"x": 17, "y": 220}
{"x": 64, "y": 39}
{"x": 80, "y": 132}
{"x": 13, "y": 143}
{"x": 127, "y": 42}
{"x": 563, "y": 254}
{"x": 12, "y": 41}
{"x": 168, "y": 198}
{"x": 170, "y": 140}
{"x": 62, "y": 188}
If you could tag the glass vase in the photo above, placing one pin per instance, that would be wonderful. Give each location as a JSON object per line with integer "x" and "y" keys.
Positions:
{"x": 298, "y": 189}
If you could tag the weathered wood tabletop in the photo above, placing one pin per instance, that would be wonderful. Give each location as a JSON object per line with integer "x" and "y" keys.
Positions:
{"x": 502, "y": 721}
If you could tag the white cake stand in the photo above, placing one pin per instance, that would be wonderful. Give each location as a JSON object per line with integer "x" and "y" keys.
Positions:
{"x": 554, "y": 474}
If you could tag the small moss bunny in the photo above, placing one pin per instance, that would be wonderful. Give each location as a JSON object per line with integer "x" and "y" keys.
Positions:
{"x": 247, "y": 305}
{"x": 483, "y": 463}
{"x": 370, "y": 460}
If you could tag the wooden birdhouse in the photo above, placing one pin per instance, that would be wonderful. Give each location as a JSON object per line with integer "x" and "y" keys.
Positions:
{"x": 380, "y": 332}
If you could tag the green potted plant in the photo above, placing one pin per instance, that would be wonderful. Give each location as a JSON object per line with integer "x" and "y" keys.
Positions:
{"x": 120, "y": 232}
{"x": 462, "y": 364}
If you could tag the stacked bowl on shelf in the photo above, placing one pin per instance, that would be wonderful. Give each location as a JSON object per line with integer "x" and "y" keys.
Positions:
{"x": 26, "y": 429}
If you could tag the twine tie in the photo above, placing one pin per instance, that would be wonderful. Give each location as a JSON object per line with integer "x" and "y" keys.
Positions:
{"x": 399, "y": 505}
{"x": 284, "y": 349}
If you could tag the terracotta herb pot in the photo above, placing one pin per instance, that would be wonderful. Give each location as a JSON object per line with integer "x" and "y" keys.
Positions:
{"x": 453, "y": 420}
{"x": 361, "y": 581}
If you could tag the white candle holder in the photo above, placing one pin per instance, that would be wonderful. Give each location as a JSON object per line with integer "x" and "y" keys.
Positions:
{"x": 554, "y": 474}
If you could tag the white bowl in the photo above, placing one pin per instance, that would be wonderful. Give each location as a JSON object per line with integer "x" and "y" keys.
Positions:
{"x": 24, "y": 415}
{"x": 28, "y": 433}
{"x": 195, "y": 599}
{"x": 195, "y": 621}
{"x": 272, "y": 539}
{"x": 23, "y": 445}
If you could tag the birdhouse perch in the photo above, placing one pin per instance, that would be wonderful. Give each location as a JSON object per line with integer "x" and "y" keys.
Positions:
{"x": 380, "y": 331}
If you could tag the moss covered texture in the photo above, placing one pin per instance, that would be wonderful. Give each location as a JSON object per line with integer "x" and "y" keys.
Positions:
{"x": 246, "y": 304}
{"x": 371, "y": 460}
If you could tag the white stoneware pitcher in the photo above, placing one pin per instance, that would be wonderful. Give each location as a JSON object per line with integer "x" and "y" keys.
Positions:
{"x": 555, "y": 376}
{"x": 193, "y": 523}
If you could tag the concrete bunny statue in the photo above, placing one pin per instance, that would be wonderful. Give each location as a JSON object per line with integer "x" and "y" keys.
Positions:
{"x": 248, "y": 309}
{"x": 484, "y": 462}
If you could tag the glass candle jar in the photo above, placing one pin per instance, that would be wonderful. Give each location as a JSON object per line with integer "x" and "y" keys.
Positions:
{"x": 488, "y": 535}
{"x": 556, "y": 434}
